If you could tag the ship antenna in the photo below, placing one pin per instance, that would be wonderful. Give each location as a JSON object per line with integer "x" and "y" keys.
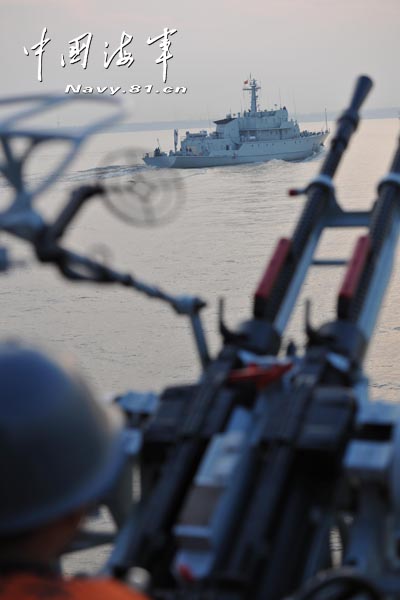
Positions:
{"x": 326, "y": 121}
{"x": 294, "y": 105}
{"x": 209, "y": 120}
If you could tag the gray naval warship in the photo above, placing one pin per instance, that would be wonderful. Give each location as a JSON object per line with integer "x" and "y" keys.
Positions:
{"x": 252, "y": 136}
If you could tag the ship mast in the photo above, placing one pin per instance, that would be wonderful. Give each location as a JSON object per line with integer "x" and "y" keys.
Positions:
{"x": 253, "y": 88}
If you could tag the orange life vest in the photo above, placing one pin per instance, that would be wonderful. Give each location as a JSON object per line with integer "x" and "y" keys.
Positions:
{"x": 31, "y": 586}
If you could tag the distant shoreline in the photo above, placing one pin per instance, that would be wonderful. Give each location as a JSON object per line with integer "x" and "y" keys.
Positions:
{"x": 378, "y": 113}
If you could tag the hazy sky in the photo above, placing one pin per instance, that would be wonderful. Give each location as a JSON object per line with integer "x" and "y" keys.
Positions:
{"x": 308, "y": 51}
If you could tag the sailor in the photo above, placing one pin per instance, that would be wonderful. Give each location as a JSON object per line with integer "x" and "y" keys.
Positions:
{"x": 60, "y": 452}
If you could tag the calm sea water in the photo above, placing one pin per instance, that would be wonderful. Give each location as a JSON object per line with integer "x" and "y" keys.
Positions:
{"x": 217, "y": 245}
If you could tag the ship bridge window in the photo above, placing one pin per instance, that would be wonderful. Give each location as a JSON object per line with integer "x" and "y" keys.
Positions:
{"x": 227, "y": 147}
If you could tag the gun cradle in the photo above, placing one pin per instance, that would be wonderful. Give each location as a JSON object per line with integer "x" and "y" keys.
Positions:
{"x": 278, "y": 472}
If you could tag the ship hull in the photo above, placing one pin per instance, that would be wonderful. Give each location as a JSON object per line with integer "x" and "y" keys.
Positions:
{"x": 288, "y": 150}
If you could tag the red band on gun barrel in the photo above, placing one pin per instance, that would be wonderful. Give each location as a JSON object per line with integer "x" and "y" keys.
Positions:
{"x": 353, "y": 273}
{"x": 272, "y": 271}
{"x": 260, "y": 376}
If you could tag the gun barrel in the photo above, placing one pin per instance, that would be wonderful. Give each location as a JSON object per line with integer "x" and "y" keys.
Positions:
{"x": 361, "y": 306}
{"x": 319, "y": 194}
{"x": 275, "y": 301}
{"x": 347, "y": 124}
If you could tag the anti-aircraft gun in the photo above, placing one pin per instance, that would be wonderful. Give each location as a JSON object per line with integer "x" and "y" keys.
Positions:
{"x": 272, "y": 476}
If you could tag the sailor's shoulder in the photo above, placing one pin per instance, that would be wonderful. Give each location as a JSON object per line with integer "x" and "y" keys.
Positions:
{"x": 31, "y": 586}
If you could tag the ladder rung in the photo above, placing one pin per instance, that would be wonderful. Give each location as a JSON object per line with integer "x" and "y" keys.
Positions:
{"x": 326, "y": 262}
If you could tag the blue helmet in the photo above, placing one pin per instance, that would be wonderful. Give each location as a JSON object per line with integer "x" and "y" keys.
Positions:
{"x": 59, "y": 449}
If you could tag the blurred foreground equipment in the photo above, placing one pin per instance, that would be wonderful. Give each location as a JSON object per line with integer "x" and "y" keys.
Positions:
{"x": 273, "y": 476}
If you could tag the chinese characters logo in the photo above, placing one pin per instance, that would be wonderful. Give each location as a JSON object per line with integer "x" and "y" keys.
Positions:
{"x": 79, "y": 49}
